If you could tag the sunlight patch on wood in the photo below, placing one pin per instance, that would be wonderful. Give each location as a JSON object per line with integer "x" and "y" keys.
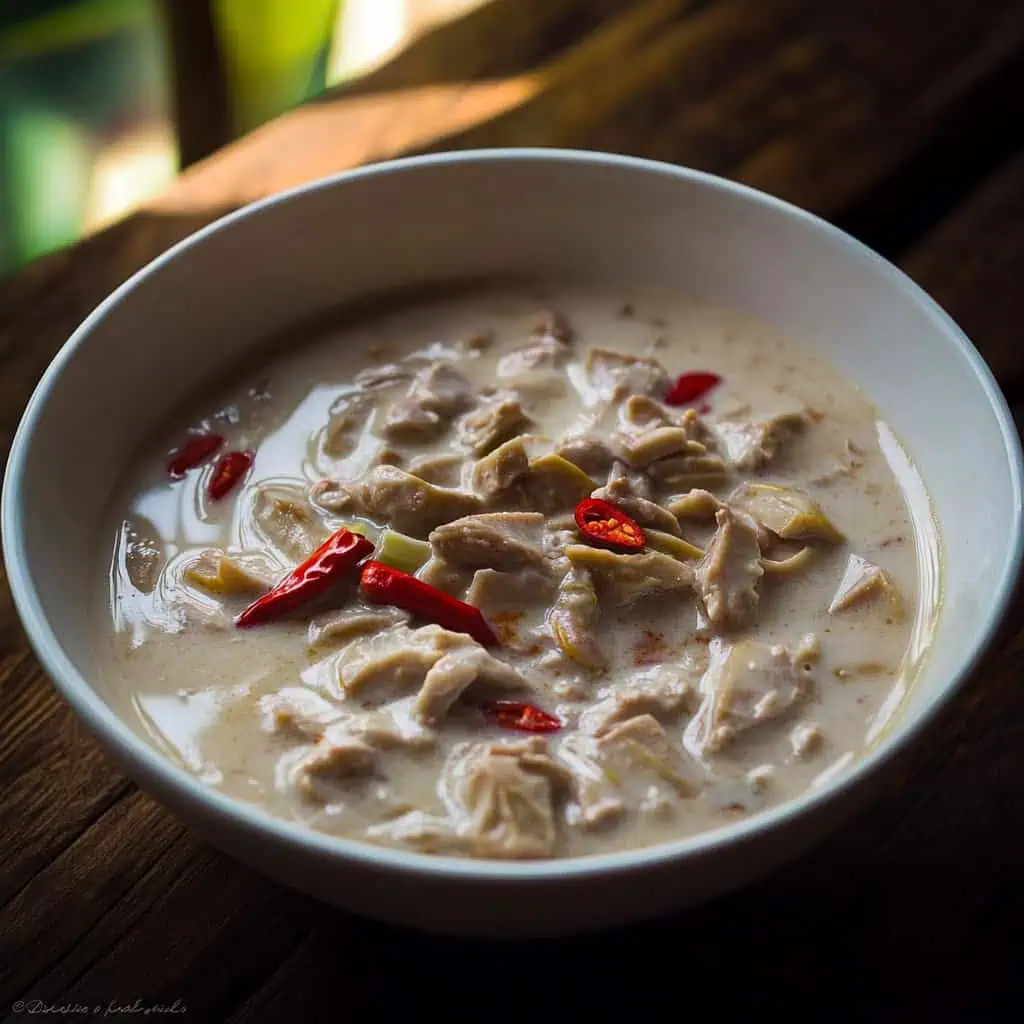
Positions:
{"x": 326, "y": 137}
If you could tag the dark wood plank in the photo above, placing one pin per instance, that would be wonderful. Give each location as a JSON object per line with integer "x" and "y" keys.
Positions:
{"x": 54, "y": 781}
{"x": 196, "y": 927}
{"x": 67, "y": 897}
{"x": 972, "y": 263}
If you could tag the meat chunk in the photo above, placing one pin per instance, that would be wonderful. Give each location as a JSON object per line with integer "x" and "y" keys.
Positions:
{"x": 544, "y": 353}
{"x": 806, "y": 740}
{"x": 382, "y": 378}
{"x": 785, "y": 511}
{"x": 614, "y": 376}
{"x": 696, "y": 504}
{"x": 641, "y": 412}
{"x": 454, "y": 673}
{"x": 660, "y": 691}
{"x": 338, "y": 756}
{"x": 639, "y": 450}
{"x": 863, "y": 582}
{"x": 729, "y": 572}
{"x": 439, "y": 572}
{"x": 495, "y": 540}
{"x": 349, "y": 416}
{"x": 689, "y": 469}
{"x": 403, "y": 501}
{"x": 549, "y": 347}
{"x": 631, "y": 492}
{"x": 284, "y": 520}
{"x": 501, "y": 798}
{"x": 496, "y": 475}
{"x": 586, "y": 452}
{"x": 554, "y": 485}
{"x": 402, "y": 658}
{"x": 492, "y": 591}
{"x": 345, "y": 744}
{"x": 553, "y": 324}
{"x": 847, "y": 464}
{"x": 397, "y": 660}
{"x": 299, "y": 712}
{"x": 349, "y": 748}
{"x": 428, "y": 833}
{"x": 442, "y": 389}
{"x": 143, "y": 553}
{"x": 508, "y": 478}
{"x": 634, "y": 766}
{"x": 751, "y": 445}
{"x": 338, "y": 627}
{"x": 494, "y": 421}
{"x": 439, "y": 470}
{"x": 572, "y": 620}
{"x": 746, "y": 684}
{"x": 437, "y": 394}
{"x": 630, "y": 577}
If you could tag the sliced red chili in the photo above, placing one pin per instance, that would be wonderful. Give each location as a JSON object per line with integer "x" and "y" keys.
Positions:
{"x": 382, "y": 584}
{"x": 228, "y": 471}
{"x": 514, "y": 714}
{"x": 335, "y": 560}
{"x": 608, "y": 526}
{"x": 691, "y": 386}
{"x": 196, "y": 450}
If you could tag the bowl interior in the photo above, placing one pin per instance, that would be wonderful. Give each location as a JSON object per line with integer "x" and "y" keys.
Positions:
{"x": 620, "y": 223}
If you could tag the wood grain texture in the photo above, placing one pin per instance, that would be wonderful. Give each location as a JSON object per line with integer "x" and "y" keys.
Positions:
{"x": 897, "y": 118}
{"x": 971, "y": 262}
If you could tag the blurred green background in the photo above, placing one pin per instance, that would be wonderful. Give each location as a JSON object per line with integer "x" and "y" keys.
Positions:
{"x": 102, "y": 101}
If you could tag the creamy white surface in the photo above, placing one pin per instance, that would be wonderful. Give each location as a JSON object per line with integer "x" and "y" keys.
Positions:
{"x": 190, "y": 683}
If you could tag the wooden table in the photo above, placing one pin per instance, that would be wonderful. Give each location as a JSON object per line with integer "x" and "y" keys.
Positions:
{"x": 898, "y": 119}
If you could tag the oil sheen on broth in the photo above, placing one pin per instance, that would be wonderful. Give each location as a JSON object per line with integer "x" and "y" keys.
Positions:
{"x": 756, "y": 644}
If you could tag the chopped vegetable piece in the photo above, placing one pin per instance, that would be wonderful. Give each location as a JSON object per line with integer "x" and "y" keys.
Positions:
{"x": 383, "y": 584}
{"x": 608, "y": 526}
{"x": 228, "y": 471}
{"x": 335, "y": 560}
{"x": 787, "y": 566}
{"x": 402, "y": 552}
{"x": 863, "y": 581}
{"x": 363, "y": 529}
{"x": 514, "y": 714}
{"x": 573, "y": 620}
{"x": 221, "y": 574}
{"x": 677, "y": 547}
{"x": 192, "y": 453}
{"x": 562, "y": 474}
{"x": 691, "y": 386}
{"x": 785, "y": 511}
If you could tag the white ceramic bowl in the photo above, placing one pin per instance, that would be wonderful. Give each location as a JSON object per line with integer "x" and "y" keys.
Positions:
{"x": 194, "y": 311}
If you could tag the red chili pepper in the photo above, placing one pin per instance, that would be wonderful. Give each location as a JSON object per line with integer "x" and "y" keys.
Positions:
{"x": 513, "y": 714}
{"x": 193, "y": 452}
{"x": 608, "y": 526}
{"x": 230, "y": 468}
{"x": 383, "y": 585}
{"x": 691, "y": 386}
{"x": 336, "y": 559}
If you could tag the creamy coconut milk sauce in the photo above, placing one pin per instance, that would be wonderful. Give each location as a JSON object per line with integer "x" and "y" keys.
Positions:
{"x": 756, "y": 641}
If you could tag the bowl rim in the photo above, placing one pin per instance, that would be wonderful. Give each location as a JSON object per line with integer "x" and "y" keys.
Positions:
{"x": 147, "y": 764}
